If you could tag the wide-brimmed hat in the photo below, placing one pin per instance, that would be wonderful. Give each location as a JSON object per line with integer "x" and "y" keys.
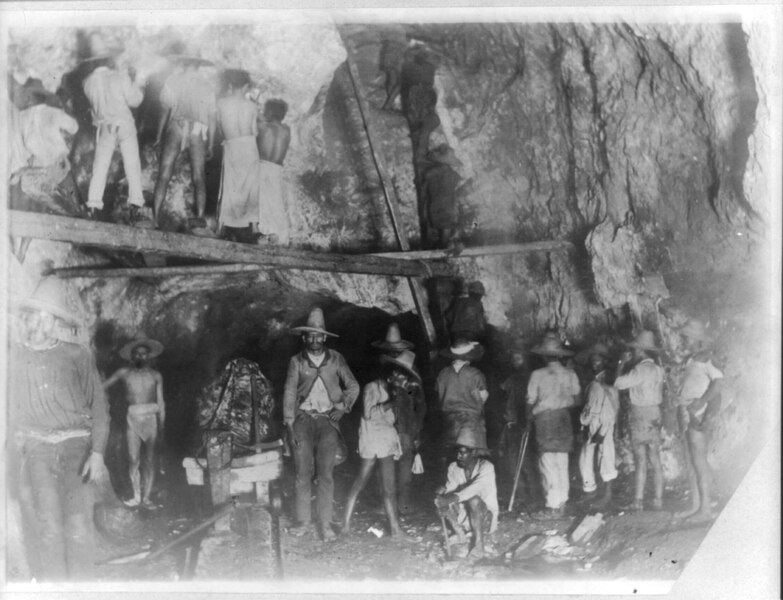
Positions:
{"x": 467, "y": 437}
{"x": 551, "y": 346}
{"x": 585, "y": 355}
{"x": 695, "y": 330}
{"x": 393, "y": 341}
{"x": 49, "y": 296}
{"x": 405, "y": 361}
{"x": 444, "y": 154}
{"x": 644, "y": 340}
{"x": 154, "y": 346}
{"x": 315, "y": 324}
{"x": 463, "y": 350}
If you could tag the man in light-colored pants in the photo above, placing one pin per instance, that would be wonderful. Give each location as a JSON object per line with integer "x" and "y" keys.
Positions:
{"x": 107, "y": 138}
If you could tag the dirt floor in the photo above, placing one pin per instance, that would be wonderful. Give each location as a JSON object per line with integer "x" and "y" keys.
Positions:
{"x": 645, "y": 545}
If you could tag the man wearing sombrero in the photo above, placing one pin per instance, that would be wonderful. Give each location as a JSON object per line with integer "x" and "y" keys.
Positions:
{"x": 60, "y": 422}
{"x": 551, "y": 393}
{"x": 319, "y": 390}
{"x": 470, "y": 493}
{"x": 188, "y": 121}
{"x": 462, "y": 391}
{"x": 409, "y": 409}
{"x": 146, "y": 413}
{"x": 699, "y": 400}
{"x": 598, "y": 418}
{"x": 644, "y": 383}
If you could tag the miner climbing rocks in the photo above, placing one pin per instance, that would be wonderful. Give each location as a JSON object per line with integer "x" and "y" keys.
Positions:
{"x": 319, "y": 389}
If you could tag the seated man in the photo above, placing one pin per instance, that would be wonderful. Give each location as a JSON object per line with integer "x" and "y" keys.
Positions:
{"x": 469, "y": 493}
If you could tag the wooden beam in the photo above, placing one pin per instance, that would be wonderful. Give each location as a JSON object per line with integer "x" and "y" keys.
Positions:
{"x": 435, "y": 255}
{"x": 389, "y": 193}
{"x": 166, "y": 243}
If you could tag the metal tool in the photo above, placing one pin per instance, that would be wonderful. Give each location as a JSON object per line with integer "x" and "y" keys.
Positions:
{"x": 520, "y": 459}
{"x": 446, "y": 536}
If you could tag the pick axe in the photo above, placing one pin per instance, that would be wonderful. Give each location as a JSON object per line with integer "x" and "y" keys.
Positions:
{"x": 520, "y": 459}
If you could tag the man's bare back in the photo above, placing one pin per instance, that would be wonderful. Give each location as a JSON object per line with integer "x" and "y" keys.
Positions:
{"x": 273, "y": 141}
{"x": 237, "y": 117}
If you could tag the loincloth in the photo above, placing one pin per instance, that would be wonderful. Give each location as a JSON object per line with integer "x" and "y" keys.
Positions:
{"x": 143, "y": 420}
{"x": 239, "y": 183}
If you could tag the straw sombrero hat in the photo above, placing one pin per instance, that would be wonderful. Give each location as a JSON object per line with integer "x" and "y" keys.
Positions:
{"x": 468, "y": 438}
{"x": 49, "y": 296}
{"x": 154, "y": 346}
{"x": 695, "y": 330}
{"x": 464, "y": 350}
{"x": 393, "y": 341}
{"x": 315, "y": 324}
{"x": 551, "y": 346}
{"x": 405, "y": 361}
{"x": 644, "y": 340}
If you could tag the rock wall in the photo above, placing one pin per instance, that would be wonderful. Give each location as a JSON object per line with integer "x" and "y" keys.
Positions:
{"x": 646, "y": 145}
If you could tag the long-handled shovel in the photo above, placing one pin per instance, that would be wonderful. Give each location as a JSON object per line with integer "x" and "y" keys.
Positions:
{"x": 520, "y": 459}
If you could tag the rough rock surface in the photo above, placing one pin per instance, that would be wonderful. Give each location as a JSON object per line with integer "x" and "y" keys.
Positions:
{"x": 646, "y": 145}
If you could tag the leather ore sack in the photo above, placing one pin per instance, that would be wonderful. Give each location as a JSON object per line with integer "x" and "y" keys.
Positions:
{"x": 239, "y": 401}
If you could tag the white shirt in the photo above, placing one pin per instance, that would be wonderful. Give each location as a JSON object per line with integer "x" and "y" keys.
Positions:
{"x": 318, "y": 398}
{"x": 644, "y": 383}
{"x": 481, "y": 484}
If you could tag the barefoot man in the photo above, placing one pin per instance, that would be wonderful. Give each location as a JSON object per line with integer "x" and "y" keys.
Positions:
{"x": 273, "y": 140}
{"x": 146, "y": 412}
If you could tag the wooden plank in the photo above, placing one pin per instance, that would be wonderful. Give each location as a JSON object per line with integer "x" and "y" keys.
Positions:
{"x": 123, "y": 237}
{"x": 543, "y": 246}
{"x": 389, "y": 193}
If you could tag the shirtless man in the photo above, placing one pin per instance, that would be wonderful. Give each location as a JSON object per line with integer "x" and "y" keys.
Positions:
{"x": 273, "y": 140}
{"x": 187, "y": 122}
{"x": 146, "y": 412}
{"x": 236, "y": 118}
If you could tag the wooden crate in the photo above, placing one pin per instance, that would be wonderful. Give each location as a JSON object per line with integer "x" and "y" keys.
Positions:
{"x": 251, "y": 473}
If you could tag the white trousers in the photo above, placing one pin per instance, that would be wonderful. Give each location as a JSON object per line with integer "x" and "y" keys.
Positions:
{"x": 606, "y": 464}
{"x": 105, "y": 143}
{"x": 554, "y": 477}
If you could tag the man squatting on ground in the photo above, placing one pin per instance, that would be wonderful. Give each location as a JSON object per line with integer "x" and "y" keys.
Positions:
{"x": 112, "y": 94}
{"x": 598, "y": 419}
{"x": 146, "y": 413}
{"x": 551, "y": 393}
{"x": 319, "y": 390}
{"x": 187, "y": 122}
{"x": 699, "y": 400}
{"x": 470, "y": 493}
{"x": 644, "y": 383}
{"x": 409, "y": 412}
{"x": 60, "y": 419}
{"x": 378, "y": 437}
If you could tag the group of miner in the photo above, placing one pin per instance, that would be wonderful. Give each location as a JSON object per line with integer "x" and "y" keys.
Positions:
{"x": 198, "y": 106}
{"x": 60, "y": 421}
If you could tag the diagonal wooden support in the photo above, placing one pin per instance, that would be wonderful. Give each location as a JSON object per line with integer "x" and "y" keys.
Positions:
{"x": 123, "y": 237}
{"x": 389, "y": 193}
